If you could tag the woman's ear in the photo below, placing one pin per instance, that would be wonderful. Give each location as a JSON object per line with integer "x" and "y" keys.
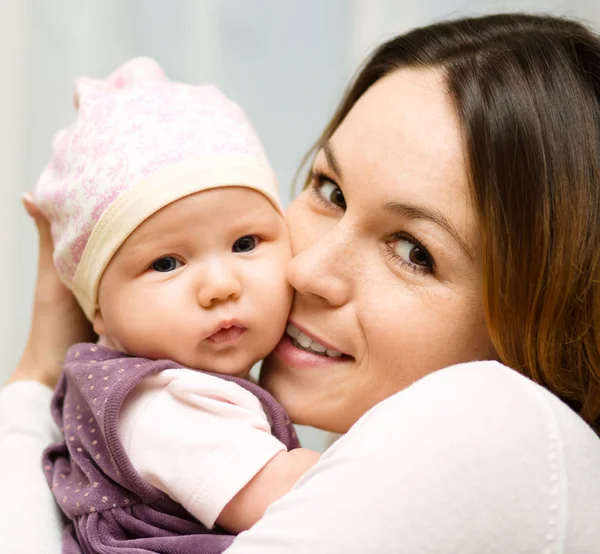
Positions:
{"x": 98, "y": 323}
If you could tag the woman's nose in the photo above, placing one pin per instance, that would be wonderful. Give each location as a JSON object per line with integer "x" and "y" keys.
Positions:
{"x": 323, "y": 268}
{"x": 219, "y": 284}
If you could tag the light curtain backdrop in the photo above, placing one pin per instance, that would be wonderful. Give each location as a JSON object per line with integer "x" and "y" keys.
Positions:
{"x": 286, "y": 63}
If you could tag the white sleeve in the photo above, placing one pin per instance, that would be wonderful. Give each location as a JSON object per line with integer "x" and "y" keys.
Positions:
{"x": 472, "y": 459}
{"x": 197, "y": 438}
{"x": 30, "y": 520}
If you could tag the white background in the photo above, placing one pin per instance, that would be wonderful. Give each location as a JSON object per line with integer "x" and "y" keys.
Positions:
{"x": 286, "y": 62}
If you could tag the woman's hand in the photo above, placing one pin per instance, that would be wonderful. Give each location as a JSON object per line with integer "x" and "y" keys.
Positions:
{"x": 57, "y": 321}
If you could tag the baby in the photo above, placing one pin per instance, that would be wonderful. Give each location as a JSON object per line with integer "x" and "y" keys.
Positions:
{"x": 170, "y": 233}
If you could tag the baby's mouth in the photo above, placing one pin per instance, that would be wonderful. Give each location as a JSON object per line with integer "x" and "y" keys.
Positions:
{"x": 304, "y": 342}
{"x": 227, "y": 334}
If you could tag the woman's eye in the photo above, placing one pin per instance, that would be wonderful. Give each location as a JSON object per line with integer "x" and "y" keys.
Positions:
{"x": 329, "y": 191}
{"x": 166, "y": 264}
{"x": 245, "y": 244}
{"x": 412, "y": 254}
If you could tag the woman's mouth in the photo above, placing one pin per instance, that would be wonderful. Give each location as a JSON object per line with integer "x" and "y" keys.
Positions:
{"x": 304, "y": 342}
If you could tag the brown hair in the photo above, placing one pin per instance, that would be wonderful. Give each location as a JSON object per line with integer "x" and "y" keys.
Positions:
{"x": 527, "y": 92}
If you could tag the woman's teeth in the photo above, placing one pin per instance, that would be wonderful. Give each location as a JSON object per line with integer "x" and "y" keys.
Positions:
{"x": 304, "y": 342}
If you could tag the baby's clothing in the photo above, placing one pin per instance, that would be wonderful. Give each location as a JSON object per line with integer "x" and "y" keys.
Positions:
{"x": 119, "y": 504}
{"x": 196, "y": 437}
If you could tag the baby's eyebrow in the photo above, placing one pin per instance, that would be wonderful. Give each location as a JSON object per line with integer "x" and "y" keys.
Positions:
{"x": 147, "y": 248}
{"x": 414, "y": 211}
{"x": 156, "y": 238}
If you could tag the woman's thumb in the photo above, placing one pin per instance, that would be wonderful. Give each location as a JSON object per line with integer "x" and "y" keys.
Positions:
{"x": 43, "y": 226}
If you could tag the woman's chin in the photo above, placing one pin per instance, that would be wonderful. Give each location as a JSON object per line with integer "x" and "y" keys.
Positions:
{"x": 293, "y": 394}
{"x": 277, "y": 380}
{"x": 312, "y": 388}
{"x": 271, "y": 375}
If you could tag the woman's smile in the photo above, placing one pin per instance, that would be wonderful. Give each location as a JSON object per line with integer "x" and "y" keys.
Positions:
{"x": 297, "y": 357}
{"x": 301, "y": 349}
{"x": 308, "y": 342}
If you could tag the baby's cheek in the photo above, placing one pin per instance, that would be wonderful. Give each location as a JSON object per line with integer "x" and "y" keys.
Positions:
{"x": 281, "y": 296}
{"x": 272, "y": 282}
{"x": 273, "y": 313}
{"x": 280, "y": 308}
{"x": 136, "y": 329}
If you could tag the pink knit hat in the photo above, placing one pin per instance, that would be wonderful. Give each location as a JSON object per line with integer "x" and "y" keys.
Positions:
{"x": 139, "y": 143}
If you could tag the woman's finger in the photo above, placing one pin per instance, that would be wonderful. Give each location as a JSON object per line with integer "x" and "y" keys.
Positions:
{"x": 57, "y": 321}
{"x": 30, "y": 206}
{"x": 46, "y": 245}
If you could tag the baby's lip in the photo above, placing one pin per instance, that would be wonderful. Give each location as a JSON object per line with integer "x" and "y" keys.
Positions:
{"x": 227, "y": 324}
{"x": 226, "y": 331}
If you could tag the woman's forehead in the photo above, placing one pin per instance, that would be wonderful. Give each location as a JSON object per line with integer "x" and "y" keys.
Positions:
{"x": 402, "y": 141}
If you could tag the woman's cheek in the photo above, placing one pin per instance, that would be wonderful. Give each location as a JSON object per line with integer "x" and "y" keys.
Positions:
{"x": 305, "y": 225}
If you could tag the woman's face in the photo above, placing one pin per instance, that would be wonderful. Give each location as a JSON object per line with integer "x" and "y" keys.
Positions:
{"x": 387, "y": 258}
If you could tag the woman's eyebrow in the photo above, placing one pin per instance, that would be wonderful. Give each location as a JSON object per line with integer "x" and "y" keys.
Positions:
{"x": 331, "y": 159}
{"x": 411, "y": 211}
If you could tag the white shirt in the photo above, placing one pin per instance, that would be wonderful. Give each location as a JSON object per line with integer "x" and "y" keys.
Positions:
{"x": 473, "y": 459}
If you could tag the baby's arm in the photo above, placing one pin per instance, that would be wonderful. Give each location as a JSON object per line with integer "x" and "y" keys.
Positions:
{"x": 207, "y": 444}
{"x": 269, "y": 484}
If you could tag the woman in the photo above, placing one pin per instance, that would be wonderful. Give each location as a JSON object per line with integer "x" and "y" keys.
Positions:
{"x": 452, "y": 214}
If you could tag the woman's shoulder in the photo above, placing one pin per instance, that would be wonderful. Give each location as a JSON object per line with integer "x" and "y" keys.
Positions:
{"x": 482, "y": 408}
{"x": 497, "y": 441}
{"x": 473, "y": 458}
{"x": 505, "y": 402}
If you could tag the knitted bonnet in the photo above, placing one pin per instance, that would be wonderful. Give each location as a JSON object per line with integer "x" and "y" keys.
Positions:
{"x": 139, "y": 143}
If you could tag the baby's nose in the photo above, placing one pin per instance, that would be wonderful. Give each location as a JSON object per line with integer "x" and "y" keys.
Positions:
{"x": 219, "y": 285}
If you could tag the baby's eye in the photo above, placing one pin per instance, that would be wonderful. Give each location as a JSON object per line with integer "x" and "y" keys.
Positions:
{"x": 246, "y": 243}
{"x": 166, "y": 264}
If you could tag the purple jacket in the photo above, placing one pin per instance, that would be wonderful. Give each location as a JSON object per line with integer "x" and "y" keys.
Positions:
{"x": 110, "y": 508}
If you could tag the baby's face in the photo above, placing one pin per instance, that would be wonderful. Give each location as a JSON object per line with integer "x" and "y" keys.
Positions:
{"x": 201, "y": 282}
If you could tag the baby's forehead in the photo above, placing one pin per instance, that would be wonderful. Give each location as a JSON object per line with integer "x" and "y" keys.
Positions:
{"x": 216, "y": 211}
{"x": 232, "y": 193}
{"x": 220, "y": 204}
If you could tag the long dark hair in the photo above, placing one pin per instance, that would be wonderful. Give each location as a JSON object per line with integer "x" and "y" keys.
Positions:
{"x": 527, "y": 92}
